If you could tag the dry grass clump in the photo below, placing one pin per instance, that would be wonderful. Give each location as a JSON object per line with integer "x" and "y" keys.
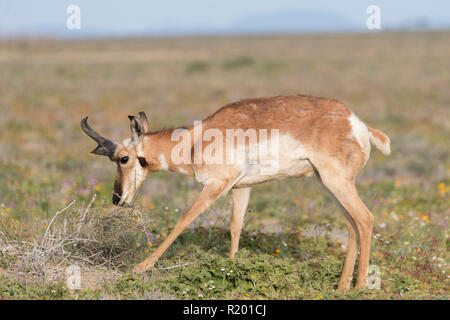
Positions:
{"x": 112, "y": 238}
{"x": 75, "y": 235}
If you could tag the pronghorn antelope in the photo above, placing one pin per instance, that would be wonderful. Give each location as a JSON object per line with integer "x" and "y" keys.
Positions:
{"x": 315, "y": 136}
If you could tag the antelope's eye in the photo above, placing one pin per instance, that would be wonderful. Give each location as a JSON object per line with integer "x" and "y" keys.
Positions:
{"x": 124, "y": 160}
{"x": 142, "y": 162}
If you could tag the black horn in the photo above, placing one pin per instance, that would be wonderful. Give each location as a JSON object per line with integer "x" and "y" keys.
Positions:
{"x": 105, "y": 147}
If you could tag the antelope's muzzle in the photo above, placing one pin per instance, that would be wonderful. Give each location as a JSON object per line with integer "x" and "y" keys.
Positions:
{"x": 117, "y": 194}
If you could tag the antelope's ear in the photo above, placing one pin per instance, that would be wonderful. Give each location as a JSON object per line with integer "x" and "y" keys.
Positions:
{"x": 144, "y": 121}
{"x": 137, "y": 130}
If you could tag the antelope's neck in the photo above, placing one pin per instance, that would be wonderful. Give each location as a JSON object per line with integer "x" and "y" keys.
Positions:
{"x": 159, "y": 146}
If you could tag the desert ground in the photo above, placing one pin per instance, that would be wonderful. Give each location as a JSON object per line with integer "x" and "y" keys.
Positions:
{"x": 55, "y": 196}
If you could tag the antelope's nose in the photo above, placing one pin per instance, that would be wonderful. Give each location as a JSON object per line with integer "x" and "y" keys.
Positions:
{"x": 116, "y": 199}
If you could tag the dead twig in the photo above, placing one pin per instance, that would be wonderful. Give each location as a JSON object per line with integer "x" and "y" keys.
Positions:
{"x": 175, "y": 266}
{"x": 85, "y": 213}
{"x": 44, "y": 238}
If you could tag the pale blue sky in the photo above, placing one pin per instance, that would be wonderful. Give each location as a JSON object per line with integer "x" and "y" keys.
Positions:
{"x": 112, "y": 17}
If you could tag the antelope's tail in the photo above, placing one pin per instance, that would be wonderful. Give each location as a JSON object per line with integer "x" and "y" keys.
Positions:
{"x": 380, "y": 140}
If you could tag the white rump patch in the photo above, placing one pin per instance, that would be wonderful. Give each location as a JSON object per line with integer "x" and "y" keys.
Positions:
{"x": 360, "y": 133}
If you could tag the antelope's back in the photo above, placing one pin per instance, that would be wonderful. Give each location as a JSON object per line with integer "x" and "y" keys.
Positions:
{"x": 289, "y": 114}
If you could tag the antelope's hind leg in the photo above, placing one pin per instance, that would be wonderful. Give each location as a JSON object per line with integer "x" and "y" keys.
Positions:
{"x": 341, "y": 184}
{"x": 240, "y": 202}
{"x": 350, "y": 258}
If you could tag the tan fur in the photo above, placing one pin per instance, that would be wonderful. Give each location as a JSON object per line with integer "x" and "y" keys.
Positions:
{"x": 317, "y": 135}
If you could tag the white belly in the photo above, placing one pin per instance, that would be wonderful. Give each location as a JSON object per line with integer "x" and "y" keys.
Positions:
{"x": 290, "y": 162}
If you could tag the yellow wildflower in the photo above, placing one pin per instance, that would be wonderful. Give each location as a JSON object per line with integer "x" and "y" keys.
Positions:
{"x": 98, "y": 188}
{"x": 442, "y": 189}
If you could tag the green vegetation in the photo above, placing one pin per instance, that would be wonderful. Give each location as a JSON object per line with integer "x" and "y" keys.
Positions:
{"x": 237, "y": 63}
{"x": 197, "y": 67}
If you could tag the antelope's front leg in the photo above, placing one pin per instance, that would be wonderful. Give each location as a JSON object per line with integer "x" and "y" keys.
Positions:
{"x": 210, "y": 193}
{"x": 240, "y": 202}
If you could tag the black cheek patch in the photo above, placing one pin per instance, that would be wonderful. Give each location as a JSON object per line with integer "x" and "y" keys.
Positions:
{"x": 142, "y": 162}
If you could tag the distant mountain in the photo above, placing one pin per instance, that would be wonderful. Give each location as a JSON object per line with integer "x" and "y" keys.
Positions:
{"x": 273, "y": 22}
{"x": 424, "y": 22}
{"x": 294, "y": 21}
